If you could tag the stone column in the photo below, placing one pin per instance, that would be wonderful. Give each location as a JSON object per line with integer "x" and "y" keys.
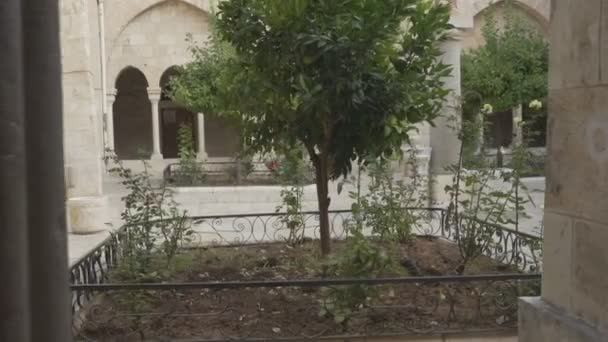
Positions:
{"x": 574, "y": 302}
{"x": 154, "y": 96}
{"x": 444, "y": 140}
{"x": 518, "y": 136}
{"x": 481, "y": 135}
{"x": 111, "y": 98}
{"x": 87, "y": 207}
{"x": 202, "y": 151}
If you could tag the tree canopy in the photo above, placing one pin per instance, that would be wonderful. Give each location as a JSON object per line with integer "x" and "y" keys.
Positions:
{"x": 511, "y": 68}
{"x": 347, "y": 79}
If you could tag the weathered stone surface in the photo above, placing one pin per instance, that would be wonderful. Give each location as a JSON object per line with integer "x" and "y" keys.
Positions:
{"x": 539, "y": 321}
{"x": 590, "y": 283}
{"x": 88, "y": 215}
{"x": 557, "y": 260}
{"x": 575, "y": 40}
{"x": 577, "y": 172}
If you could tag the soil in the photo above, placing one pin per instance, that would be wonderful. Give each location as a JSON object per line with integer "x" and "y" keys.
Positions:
{"x": 271, "y": 313}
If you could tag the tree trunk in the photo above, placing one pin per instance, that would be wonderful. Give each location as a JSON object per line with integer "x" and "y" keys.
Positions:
{"x": 323, "y": 198}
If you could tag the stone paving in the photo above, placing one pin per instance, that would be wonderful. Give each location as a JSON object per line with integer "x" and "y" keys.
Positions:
{"x": 80, "y": 245}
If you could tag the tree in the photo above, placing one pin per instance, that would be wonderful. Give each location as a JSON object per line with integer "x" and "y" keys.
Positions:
{"x": 347, "y": 79}
{"x": 511, "y": 68}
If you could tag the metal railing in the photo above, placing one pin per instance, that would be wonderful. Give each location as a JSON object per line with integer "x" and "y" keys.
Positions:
{"x": 428, "y": 304}
{"x": 291, "y": 310}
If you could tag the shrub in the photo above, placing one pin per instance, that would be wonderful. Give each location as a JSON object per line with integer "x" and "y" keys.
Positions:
{"x": 388, "y": 207}
{"x": 190, "y": 170}
{"x": 359, "y": 259}
{"x": 154, "y": 226}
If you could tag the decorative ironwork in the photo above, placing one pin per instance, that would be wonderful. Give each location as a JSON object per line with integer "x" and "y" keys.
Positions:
{"x": 91, "y": 293}
{"x": 507, "y": 246}
{"x": 263, "y": 228}
{"x": 94, "y": 268}
{"x": 290, "y": 310}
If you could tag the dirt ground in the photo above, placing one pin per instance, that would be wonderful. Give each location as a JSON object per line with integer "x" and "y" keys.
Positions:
{"x": 281, "y": 312}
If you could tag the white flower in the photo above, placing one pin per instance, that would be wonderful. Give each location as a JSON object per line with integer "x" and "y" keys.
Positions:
{"x": 536, "y": 104}
{"x": 487, "y": 109}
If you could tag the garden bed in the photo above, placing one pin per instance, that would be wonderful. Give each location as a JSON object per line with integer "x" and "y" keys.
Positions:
{"x": 226, "y": 293}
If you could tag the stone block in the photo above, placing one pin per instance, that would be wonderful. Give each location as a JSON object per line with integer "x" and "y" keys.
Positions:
{"x": 590, "y": 283}
{"x": 541, "y": 322}
{"x": 577, "y": 172}
{"x": 88, "y": 215}
{"x": 557, "y": 260}
{"x": 575, "y": 44}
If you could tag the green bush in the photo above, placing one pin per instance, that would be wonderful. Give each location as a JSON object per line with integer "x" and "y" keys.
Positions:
{"x": 190, "y": 170}
{"x": 154, "y": 226}
{"x": 359, "y": 259}
{"x": 388, "y": 206}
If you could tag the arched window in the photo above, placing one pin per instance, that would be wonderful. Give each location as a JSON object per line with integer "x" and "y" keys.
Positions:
{"x": 132, "y": 116}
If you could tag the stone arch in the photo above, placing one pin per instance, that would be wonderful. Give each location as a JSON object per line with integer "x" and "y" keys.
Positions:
{"x": 538, "y": 9}
{"x": 172, "y": 117}
{"x": 153, "y": 34}
{"x": 125, "y": 12}
{"x": 533, "y": 10}
{"x": 132, "y": 115}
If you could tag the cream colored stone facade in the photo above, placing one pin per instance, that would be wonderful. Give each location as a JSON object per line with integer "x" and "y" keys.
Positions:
{"x": 150, "y": 36}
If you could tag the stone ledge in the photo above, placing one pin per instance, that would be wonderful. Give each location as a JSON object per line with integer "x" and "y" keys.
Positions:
{"x": 540, "y": 321}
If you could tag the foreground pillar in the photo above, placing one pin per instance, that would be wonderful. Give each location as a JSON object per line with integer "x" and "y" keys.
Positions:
{"x": 34, "y": 295}
{"x": 574, "y": 303}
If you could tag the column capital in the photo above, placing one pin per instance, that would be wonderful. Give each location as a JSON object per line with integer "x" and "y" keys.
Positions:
{"x": 154, "y": 94}
{"x": 111, "y": 95}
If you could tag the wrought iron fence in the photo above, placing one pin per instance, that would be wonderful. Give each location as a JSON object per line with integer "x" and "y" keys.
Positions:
{"x": 263, "y": 228}
{"x": 297, "y": 310}
{"x": 455, "y": 302}
{"x": 507, "y": 246}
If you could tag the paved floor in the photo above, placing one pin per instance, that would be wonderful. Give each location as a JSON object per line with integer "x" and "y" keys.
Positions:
{"x": 80, "y": 245}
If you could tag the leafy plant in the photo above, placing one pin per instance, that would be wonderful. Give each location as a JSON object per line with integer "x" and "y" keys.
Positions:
{"x": 389, "y": 206}
{"x": 292, "y": 172}
{"x": 359, "y": 259}
{"x": 292, "y": 216}
{"x": 190, "y": 170}
{"x": 154, "y": 226}
{"x": 483, "y": 201}
{"x": 345, "y": 79}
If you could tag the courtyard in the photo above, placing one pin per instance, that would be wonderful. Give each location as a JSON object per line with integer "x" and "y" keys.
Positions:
{"x": 303, "y": 170}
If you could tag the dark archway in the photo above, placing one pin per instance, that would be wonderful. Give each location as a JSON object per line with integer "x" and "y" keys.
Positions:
{"x": 172, "y": 117}
{"x": 132, "y": 116}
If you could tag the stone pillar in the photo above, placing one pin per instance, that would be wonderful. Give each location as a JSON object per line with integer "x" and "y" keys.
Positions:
{"x": 87, "y": 207}
{"x": 202, "y": 151}
{"x": 154, "y": 95}
{"x": 518, "y": 136}
{"x": 111, "y": 98}
{"x": 574, "y": 302}
{"x": 444, "y": 140}
{"x": 481, "y": 135}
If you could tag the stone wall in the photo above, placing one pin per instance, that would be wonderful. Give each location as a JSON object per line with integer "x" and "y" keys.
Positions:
{"x": 155, "y": 39}
{"x": 82, "y": 138}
